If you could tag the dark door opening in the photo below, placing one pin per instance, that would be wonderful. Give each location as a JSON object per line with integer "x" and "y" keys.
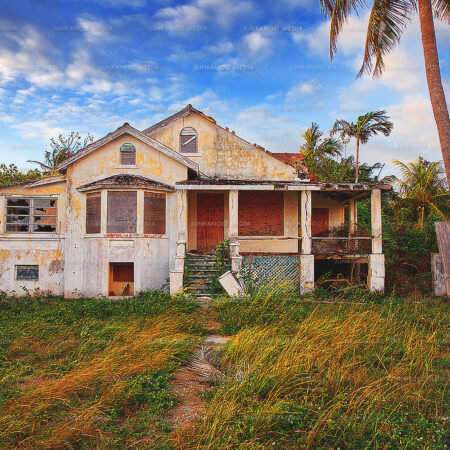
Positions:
{"x": 121, "y": 279}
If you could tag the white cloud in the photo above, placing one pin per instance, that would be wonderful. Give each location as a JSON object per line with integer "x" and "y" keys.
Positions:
{"x": 257, "y": 45}
{"x": 303, "y": 89}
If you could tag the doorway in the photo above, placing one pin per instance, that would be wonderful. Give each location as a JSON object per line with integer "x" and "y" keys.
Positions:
{"x": 210, "y": 221}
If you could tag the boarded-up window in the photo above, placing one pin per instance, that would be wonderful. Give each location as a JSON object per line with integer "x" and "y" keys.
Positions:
{"x": 261, "y": 213}
{"x": 35, "y": 215}
{"x": 122, "y": 208}
{"x": 93, "y": 213}
{"x": 154, "y": 213}
{"x": 27, "y": 273}
{"x": 123, "y": 272}
{"x": 188, "y": 140}
{"x": 127, "y": 155}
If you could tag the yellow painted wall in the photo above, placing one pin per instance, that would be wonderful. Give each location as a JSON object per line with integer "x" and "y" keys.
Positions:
{"x": 222, "y": 154}
{"x": 336, "y": 209}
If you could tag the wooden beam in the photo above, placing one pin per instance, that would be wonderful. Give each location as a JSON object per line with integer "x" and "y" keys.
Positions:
{"x": 443, "y": 238}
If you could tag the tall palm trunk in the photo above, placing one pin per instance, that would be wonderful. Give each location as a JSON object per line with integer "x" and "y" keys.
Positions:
{"x": 433, "y": 73}
{"x": 357, "y": 159}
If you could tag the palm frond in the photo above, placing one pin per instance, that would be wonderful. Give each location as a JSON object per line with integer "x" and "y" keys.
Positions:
{"x": 441, "y": 10}
{"x": 386, "y": 24}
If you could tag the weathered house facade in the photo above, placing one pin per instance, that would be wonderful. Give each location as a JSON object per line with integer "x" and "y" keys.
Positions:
{"x": 127, "y": 209}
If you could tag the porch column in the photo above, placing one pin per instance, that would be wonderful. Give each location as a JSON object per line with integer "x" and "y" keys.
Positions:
{"x": 376, "y": 259}
{"x": 176, "y": 275}
{"x": 233, "y": 230}
{"x": 352, "y": 214}
{"x": 306, "y": 258}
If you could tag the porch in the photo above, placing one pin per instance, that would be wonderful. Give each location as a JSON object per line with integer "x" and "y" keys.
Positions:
{"x": 279, "y": 230}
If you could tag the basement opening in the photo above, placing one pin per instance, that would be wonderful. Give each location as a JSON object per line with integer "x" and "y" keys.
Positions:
{"x": 332, "y": 274}
{"x": 121, "y": 279}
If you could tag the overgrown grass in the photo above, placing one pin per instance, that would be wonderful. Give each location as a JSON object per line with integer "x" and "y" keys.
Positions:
{"x": 322, "y": 375}
{"x": 91, "y": 372}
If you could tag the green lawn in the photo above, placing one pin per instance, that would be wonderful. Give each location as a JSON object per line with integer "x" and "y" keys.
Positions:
{"x": 366, "y": 372}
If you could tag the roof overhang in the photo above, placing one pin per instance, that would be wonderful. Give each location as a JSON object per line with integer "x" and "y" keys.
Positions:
{"x": 123, "y": 182}
{"x": 128, "y": 129}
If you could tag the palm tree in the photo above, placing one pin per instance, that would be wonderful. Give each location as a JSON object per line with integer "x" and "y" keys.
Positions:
{"x": 62, "y": 148}
{"x": 386, "y": 23}
{"x": 424, "y": 184}
{"x": 316, "y": 146}
{"x": 366, "y": 126}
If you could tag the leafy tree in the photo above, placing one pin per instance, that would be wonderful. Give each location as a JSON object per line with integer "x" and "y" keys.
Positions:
{"x": 317, "y": 146}
{"x": 366, "y": 126}
{"x": 11, "y": 175}
{"x": 61, "y": 149}
{"x": 386, "y": 24}
{"x": 424, "y": 189}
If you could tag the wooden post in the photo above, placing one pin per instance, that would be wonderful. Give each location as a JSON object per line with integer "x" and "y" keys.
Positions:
{"x": 377, "y": 242}
{"x": 352, "y": 215}
{"x": 443, "y": 238}
{"x": 104, "y": 209}
{"x": 305, "y": 217}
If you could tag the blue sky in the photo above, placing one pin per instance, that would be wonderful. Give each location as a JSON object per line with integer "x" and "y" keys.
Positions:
{"x": 261, "y": 68}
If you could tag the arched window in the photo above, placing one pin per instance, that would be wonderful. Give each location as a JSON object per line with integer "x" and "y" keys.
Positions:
{"x": 127, "y": 155}
{"x": 188, "y": 140}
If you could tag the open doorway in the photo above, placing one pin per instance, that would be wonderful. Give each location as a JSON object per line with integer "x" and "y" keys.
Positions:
{"x": 121, "y": 279}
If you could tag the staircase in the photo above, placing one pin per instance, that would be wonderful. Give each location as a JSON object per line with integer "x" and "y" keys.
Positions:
{"x": 199, "y": 271}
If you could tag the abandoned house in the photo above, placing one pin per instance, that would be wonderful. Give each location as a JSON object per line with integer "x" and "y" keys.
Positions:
{"x": 128, "y": 211}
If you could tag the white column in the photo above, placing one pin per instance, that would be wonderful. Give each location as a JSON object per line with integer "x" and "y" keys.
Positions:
{"x": 182, "y": 215}
{"x": 306, "y": 258}
{"x": 376, "y": 259}
{"x": 305, "y": 217}
{"x": 233, "y": 230}
{"x": 377, "y": 243}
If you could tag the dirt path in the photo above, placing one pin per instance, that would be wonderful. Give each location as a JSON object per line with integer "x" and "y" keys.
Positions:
{"x": 193, "y": 379}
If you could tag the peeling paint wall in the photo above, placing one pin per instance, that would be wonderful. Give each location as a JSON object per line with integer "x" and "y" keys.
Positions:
{"x": 43, "y": 249}
{"x": 223, "y": 154}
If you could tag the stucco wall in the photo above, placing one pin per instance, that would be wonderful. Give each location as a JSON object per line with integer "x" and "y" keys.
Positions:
{"x": 222, "y": 154}
{"x": 43, "y": 249}
{"x": 335, "y": 208}
{"x": 151, "y": 255}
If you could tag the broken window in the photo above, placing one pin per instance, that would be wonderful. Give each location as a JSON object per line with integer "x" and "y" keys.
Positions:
{"x": 261, "y": 213}
{"x": 24, "y": 273}
{"x": 188, "y": 140}
{"x": 122, "y": 210}
{"x": 127, "y": 155}
{"x": 36, "y": 215}
{"x": 154, "y": 213}
{"x": 93, "y": 213}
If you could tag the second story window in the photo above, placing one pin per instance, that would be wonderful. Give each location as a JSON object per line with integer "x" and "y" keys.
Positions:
{"x": 122, "y": 212}
{"x": 188, "y": 140}
{"x": 127, "y": 155}
{"x": 31, "y": 215}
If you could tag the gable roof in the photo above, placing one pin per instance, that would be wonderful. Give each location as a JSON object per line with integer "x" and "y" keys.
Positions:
{"x": 126, "y": 180}
{"x": 293, "y": 159}
{"x": 178, "y": 115}
{"x": 190, "y": 109}
{"x": 38, "y": 182}
{"x": 126, "y": 128}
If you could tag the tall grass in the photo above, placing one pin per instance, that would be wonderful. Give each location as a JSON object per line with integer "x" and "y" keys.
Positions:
{"x": 330, "y": 375}
{"x": 73, "y": 371}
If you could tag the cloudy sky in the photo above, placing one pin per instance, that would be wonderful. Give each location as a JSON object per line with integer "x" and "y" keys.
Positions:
{"x": 260, "y": 67}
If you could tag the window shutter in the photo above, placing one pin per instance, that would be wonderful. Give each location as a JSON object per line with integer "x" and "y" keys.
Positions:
{"x": 93, "y": 213}
{"x": 122, "y": 210}
{"x": 261, "y": 213}
{"x": 154, "y": 213}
